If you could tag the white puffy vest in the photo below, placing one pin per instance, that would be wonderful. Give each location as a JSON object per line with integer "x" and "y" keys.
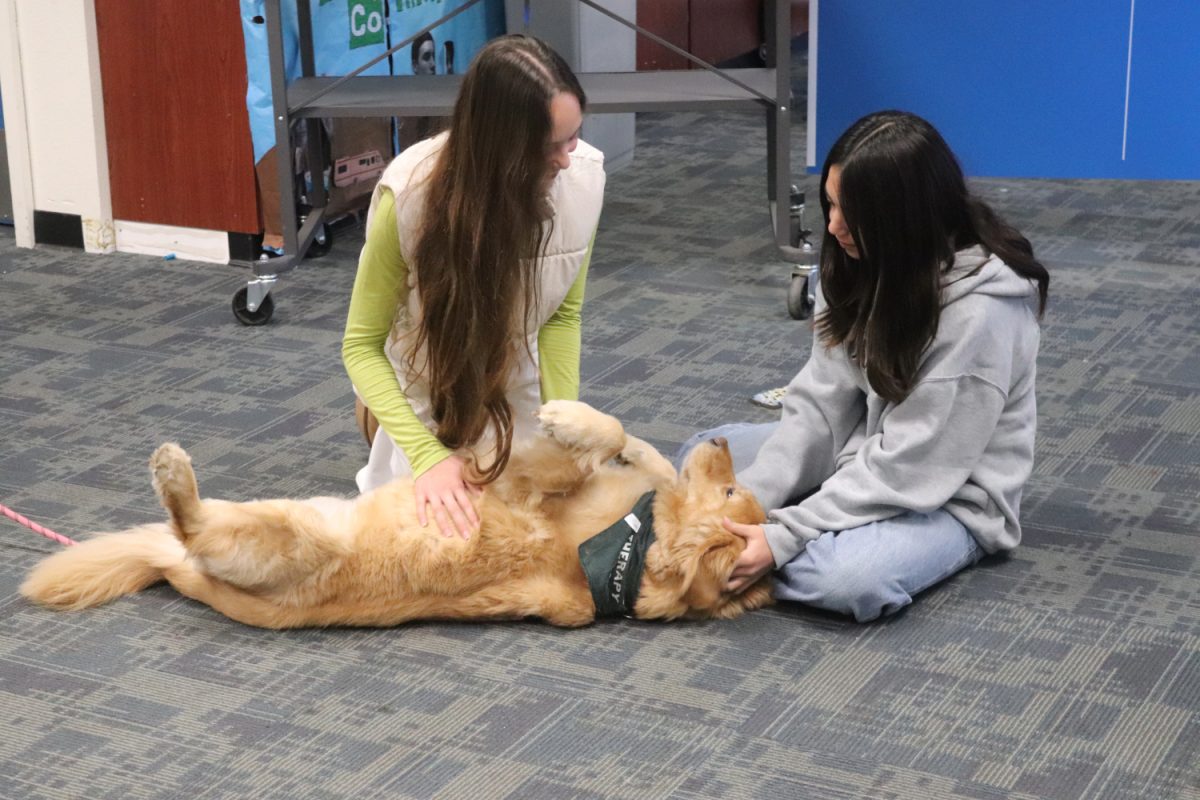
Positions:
{"x": 575, "y": 196}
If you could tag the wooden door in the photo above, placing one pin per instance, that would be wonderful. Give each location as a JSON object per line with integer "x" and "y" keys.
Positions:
{"x": 712, "y": 30}
{"x": 174, "y": 80}
{"x": 668, "y": 19}
{"x": 723, "y": 29}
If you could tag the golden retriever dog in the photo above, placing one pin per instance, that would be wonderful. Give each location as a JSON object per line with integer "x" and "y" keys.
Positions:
{"x": 367, "y": 561}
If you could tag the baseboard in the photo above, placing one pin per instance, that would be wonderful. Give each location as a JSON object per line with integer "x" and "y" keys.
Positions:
{"x": 187, "y": 244}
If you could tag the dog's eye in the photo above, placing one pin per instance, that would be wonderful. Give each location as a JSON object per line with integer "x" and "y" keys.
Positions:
{"x": 729, "y": 491}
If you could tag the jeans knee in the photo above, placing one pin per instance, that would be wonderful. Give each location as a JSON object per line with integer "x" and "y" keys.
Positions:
{"x": 687, "y": 447}
{"x": 876, "y": 569}
{"x": 862, "y": 595}
{"x": 844, "y": 586}
{"x": 745, "y": 439}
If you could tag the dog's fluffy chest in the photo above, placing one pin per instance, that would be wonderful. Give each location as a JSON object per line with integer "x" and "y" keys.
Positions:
{"x": 392, "y": 554}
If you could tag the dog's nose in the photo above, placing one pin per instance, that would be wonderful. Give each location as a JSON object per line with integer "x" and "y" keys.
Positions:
{"x": 720, "y": 441}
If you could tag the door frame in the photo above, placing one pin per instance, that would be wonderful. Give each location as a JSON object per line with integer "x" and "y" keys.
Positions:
{"x": 12, "y": 90}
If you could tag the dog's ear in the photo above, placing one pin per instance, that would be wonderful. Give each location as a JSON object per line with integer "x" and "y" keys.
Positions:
{"x": 707, "y": 576}
{"x": 709, "y": 570}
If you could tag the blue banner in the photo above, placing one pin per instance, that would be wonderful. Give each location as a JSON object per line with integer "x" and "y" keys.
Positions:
{"x": 448, "y": 48}
{"x": 335, "y": 52}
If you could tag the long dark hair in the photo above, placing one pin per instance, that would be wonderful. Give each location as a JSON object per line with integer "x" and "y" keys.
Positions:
{"x": 484, "y": 227}
{"x": 905, "y": 201}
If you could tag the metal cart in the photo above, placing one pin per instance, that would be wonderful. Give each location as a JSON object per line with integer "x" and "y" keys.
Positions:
{"x": 309, "y": 98}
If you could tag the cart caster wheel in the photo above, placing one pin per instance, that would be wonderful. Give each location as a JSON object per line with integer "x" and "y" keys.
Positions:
{"x": 321, "y": 244}
{"x": 260, "y": 316}
{"x": 799, "y": 300}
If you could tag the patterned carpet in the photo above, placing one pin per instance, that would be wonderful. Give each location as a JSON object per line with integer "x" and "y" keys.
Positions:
{"x": 1069, "y": 670}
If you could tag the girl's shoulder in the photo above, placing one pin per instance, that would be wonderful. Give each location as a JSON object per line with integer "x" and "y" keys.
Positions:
{"x": 412, "y": 165}
{"x": 587, "y": 155}
{"x": 988, "y": 336}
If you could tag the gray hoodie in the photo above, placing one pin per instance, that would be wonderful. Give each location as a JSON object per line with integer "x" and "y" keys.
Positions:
{"x": 962, "y": 440}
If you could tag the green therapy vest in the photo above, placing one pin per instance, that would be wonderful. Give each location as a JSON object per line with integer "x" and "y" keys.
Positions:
{"x": 614, "y": 558}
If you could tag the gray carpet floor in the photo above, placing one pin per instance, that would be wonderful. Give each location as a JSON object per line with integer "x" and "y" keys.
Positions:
{"x": 1070, "y": 669}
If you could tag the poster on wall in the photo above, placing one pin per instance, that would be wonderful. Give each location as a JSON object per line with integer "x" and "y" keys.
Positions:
{"x": 346, "y": 35}
{"x": 445, "y": 50}
{"x": 449, "y": 48}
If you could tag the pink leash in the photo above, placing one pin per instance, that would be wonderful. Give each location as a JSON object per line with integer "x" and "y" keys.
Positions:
{"x": 33, "y": 526}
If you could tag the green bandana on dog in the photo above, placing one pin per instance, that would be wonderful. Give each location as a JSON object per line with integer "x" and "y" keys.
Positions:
{"x": 613, "y": 559}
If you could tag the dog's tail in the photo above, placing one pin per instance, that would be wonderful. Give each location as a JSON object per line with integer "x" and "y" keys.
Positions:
{"x": 105, "y": 567}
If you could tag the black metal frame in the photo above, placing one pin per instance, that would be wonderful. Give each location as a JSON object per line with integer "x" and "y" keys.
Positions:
{"x": 608, "y": 92}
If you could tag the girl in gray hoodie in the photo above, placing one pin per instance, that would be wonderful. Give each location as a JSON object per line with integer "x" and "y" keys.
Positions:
{"x": 906, "y": 440}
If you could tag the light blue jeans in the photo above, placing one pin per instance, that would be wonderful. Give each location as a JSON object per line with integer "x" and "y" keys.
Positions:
{"x": 867, "y": 571}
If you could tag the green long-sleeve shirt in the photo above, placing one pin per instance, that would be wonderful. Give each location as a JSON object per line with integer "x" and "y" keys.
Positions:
{"x": 380, "y": 287}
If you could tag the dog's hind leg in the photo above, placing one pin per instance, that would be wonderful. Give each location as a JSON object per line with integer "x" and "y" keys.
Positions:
{"x": 175, "y": 482}
{"x": 262, "y": 545}
{"x": 268, "y": 546}
{"x": 233, "y": 602}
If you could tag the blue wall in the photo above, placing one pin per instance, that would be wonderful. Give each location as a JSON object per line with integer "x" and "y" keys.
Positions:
{"x": 1022, "y": 87}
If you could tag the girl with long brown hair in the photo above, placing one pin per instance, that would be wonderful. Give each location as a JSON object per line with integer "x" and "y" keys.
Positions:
{"x": 907, "y": 438}
{"x": 465, "y": 313}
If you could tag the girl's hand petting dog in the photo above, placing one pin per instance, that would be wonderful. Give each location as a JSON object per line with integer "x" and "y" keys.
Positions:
{"x": 754, "y": 562}
{"x": 447, "y": 493}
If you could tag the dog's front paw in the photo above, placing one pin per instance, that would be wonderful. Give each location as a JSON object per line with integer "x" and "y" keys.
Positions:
{"x": 579, "y": 426}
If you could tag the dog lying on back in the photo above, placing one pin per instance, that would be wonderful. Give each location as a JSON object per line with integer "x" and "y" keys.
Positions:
{"x": 367, "y": 561}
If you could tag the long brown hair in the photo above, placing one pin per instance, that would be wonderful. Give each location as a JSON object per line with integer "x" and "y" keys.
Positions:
{"x": 905, "y": 201}
{"x": 483, "y": 230}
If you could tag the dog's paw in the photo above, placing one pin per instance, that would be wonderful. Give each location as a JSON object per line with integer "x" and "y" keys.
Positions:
{"x": 571, "y": 613}
{"x": 640, "y": 456}
{"x": 171, "y": 470}
{"x": 579, "y": 426}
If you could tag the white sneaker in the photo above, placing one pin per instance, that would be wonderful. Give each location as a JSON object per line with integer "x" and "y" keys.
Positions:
{"x": 770, "y": 398}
